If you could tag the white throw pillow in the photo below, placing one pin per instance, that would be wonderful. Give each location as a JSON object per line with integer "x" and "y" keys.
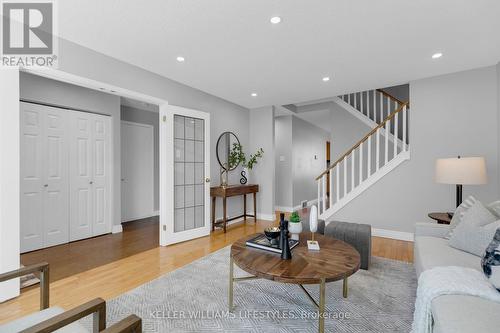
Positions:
{"x": 494, "y": 207}
{"x": 475, "y": 231}
{"x": 459, "y": 212}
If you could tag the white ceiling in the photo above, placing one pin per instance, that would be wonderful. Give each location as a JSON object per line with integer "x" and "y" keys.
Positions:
{"x": 231, "y": 48}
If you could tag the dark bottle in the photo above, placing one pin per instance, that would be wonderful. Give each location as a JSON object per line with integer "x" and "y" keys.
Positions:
{"x": 282, "y": 226}
{"x": 285, "y": 248}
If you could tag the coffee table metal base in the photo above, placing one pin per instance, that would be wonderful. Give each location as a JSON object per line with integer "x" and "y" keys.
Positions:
{"x": 322, "y": 291}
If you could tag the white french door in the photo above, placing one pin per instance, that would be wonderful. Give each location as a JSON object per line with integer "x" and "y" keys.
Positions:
{"x": 184, "y": 175}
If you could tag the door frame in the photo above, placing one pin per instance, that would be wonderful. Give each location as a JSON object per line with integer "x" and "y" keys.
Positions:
{"x": 167, "y": 212}
{"x": 163, "y": 105}
{"x": 151, "y": 127}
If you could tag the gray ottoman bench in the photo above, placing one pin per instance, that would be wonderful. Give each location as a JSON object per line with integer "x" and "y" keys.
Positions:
{"x": 357, "y": 235}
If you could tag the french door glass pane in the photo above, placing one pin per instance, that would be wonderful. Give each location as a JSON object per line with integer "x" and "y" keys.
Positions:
{"x": 189, "y": 169}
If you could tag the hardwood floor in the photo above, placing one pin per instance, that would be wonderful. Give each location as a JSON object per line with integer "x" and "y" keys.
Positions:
{"x": 76, "y": 257}
{"x": 79, "y": 276}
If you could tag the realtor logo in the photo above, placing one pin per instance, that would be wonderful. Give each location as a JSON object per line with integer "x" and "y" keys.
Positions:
{"x": 28, "y": 34}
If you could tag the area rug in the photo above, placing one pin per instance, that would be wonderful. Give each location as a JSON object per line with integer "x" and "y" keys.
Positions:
{"x": 28, "y": 280}
{"x": 194, "y": 299}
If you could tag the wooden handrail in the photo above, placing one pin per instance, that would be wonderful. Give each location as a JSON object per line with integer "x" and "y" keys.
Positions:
{"x": 393, "y": 98}
{"x": 374, "y": 130}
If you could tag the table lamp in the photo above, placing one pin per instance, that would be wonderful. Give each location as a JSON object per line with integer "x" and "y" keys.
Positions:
{"x": 461, "y": 171}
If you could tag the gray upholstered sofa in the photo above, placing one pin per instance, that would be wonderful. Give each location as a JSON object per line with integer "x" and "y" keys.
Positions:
{"x": 452, "y": 313}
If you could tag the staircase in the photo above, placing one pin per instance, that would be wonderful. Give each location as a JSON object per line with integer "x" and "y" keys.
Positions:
{"x": 379, "y": 152}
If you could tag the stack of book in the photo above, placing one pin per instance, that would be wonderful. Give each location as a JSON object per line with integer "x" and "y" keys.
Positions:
{"x": 261, "y": 242}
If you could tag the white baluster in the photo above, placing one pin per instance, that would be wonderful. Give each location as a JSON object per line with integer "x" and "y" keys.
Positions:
{"x": 353, "y": 162}
{"x": 330, "y": 197}
{"x": 404, "y": 128}
{"x": 349, "y": 99}
{"x": 374, "y": 110}
{"x": 337, "y": 185}
{"x": 319, "y": 196}
{"x": 361, "y": 163}
{"x": 345, "y": 175}
{"x": 396, "y": 134}
{"x": 377, "y": 152}
{"x": 381, "y": 111}
{"x": 323, "y": 186}
{"x": 356, "y": 100}
{"x": 388, "y": 109}
{"x": 369, "y": 157}
{"x": 387, "y": 131}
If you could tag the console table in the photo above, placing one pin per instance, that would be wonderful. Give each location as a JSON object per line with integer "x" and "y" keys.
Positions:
{"x": 232, "y": 191}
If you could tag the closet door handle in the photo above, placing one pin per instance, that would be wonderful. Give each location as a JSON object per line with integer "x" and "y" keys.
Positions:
{"x": 91, "y": 182}
{"x": 45, "y": 185}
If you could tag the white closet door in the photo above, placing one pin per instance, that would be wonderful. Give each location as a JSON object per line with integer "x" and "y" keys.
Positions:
{"x": 32, "y": 188}
{"x": 44, "y": 177}
{"x": 100, "y": 183}
{"x": 55, "y": 166}
{"x": 80, "y": 175}
{"x": 90, "y": 168}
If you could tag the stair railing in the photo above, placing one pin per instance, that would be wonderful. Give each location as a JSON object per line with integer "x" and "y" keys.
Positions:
{"x": 344, "y": 178}
{"x": 375, "y": 104}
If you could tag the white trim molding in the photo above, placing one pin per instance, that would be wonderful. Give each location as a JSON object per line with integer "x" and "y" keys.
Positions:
{"x": 265, "y": 217}
{"x": 116, "y": 229}
{"x": 287, "y": 209}
{"x": 393, "y": 234}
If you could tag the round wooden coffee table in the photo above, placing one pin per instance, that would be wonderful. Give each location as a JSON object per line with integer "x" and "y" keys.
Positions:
{"x": 335, "y": 261}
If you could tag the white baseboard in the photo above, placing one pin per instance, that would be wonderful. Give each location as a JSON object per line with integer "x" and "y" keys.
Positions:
{"x": 117, "y": 228}
{"x": 155, "y": 213}
{"x": 266, "y": 217}
{"x": 292, "y": 209}
{"x": 284, "y": 209}
{"x": 392, "y": 234}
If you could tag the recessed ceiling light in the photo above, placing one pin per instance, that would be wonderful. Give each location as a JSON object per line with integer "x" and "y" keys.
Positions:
{"x": 275, "y": 20}
{"x": 437, "y": 55}
{"x": 254, "y": 94}
{"x": 326, "y": 79}
{"x": 180, "y": 59}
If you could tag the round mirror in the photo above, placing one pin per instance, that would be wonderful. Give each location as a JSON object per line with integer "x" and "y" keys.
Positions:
{"x": 225, "y": 143}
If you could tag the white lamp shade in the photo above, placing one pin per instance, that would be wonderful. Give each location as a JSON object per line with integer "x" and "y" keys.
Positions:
{"x": 313, "y": 219}
{"x": 463, "y": 171}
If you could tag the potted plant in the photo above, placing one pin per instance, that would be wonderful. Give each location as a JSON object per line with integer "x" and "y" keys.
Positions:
{"x": 237, "y": 156}
{"x": 295, "y": 225}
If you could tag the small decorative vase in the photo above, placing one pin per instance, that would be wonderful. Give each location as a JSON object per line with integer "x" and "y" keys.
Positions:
{"x": 295, "y": 229}
{"x": 245, "y": 176}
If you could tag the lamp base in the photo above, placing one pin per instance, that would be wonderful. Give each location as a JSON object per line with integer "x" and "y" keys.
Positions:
{"x": 459, "y": 195}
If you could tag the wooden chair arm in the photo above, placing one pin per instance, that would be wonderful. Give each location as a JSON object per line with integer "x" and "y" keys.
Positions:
{"x": 43, "y": 268}
{"x": 131, "y": 324}
{"x": 97, "y": 307}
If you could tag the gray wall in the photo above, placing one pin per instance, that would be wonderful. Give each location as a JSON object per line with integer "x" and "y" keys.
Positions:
{"x": 81, "y": 61}
{"x": 40, "y": 89}
{"x": 309, "y": 158}
{"x": 401, "y": 92}
{"x": 451, "y": 115}
{"x": 283, "y": 146}
{"x": 262, "y": 136}
{"x": 148, "y": 118}
{"x": 303, "y": 145}
{"x": 347, "y": 130}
